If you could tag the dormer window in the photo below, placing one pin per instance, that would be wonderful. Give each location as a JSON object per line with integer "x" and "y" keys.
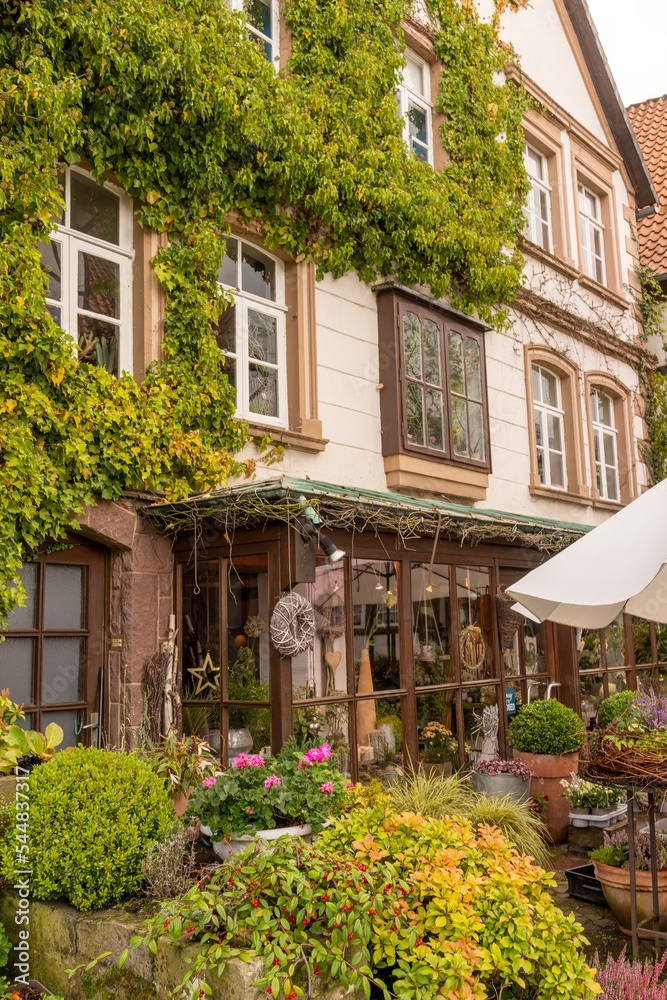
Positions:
{"x": 414, "y": 104}
{"x": 88, "y": 260}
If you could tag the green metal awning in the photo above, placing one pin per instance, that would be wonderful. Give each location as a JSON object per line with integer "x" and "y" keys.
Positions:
{"x": 351, "y": 508}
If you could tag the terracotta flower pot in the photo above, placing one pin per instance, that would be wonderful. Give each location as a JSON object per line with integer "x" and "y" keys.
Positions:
{"x": 615, "y": 884}
{"x": 441, "y": 770}
{"x": 548, "y": 772}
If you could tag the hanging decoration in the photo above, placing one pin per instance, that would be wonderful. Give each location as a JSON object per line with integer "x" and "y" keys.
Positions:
{"x": 292, "y": 624}
{"x": 472, "y": 647}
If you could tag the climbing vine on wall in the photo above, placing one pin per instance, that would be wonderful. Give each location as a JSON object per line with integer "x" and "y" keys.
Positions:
{"x": 174, "y": 99}
{"x": 653, "y": 382}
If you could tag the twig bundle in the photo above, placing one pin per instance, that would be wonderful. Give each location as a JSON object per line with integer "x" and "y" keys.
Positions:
{"x": 622, "y": 758}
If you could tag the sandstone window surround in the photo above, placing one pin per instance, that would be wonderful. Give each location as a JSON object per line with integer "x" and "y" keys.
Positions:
{"x": 89, "y": 263}
{"x": 546, "y": 235}
{"x": 598, "y": 249}
{"x": 435, "y": 422}
{"x": 611, "y": 443}
{"x": 556, "y": 443}
{"x": 293, "y": 309}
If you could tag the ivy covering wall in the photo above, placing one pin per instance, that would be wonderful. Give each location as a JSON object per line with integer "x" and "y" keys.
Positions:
{"x": 174, "y": 100}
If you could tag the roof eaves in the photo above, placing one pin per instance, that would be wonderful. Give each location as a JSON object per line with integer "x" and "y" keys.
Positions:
{"x": 607, "y": 91}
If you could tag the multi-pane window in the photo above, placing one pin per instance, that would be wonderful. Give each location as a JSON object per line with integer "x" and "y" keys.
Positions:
{"x": 549, "y": 423}
{"x": 592, "y": 234}
{"x": 443, "y": 386}
{"x": 465, "y": 387}
{"x": 262, "y": 24}
{"x": 251, "y": 332}
{"x": 537, "y": 209}
{"x": 414, "y": 105}
{"x": 606, "y": 447}
{"x": 88, "y": 261}
{"x": 424, "y": 383}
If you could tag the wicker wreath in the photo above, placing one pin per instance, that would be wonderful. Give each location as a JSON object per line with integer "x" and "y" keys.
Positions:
{"x": 292, "y": 624}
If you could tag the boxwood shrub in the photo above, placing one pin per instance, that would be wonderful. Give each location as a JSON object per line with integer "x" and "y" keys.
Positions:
{"x": 93, "y": 815}
{"x": 546, "y": 727}
{"x": 615, "y": 708}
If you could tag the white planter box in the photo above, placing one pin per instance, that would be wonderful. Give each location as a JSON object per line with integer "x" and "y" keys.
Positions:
{"x": 598, "y": 820}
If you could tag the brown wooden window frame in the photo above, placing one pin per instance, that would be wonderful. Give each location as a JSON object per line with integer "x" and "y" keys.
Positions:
{"x": 447, "y": 324}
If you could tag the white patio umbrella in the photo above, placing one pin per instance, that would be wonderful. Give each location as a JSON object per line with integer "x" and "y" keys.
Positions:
{"x": 621, "y": 565}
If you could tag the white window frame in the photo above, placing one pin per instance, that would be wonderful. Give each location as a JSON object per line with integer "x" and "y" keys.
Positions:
{"x": 589, "y": 227}
{"x": 406, "y": 97}
{"x": 534, "y": 219}
{"x": 243, "y": 302}
{"x": 239, "y": 7}
{"x": 602, "y": 431}
{"x": 72, "y": 242}
{"x": 557, "y": 412}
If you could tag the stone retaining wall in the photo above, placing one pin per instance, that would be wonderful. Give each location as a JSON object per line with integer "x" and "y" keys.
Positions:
{"x": 62, "y": 938}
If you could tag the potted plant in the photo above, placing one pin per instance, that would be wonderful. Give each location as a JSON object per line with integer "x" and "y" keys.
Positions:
{"x": 497, "y": 778}
{"x": 261, "y": 799}
{"x": 182, "y": 763}
{"x": 546, "y": 737}
{"x": 586, "y": 797}
{"x": 439, "y": 747}
{"x": 611, "y": 869}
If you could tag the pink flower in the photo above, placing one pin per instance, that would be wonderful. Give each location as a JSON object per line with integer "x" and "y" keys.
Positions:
{"x": 305, "y": 762}
{"x": 272, "y": 779}
{"x": 326, "y": 751}
{"x": 256, "y": 760}
{"x": 327, "y": 788}
{"x": 350, "y": 784}
{"x": 241, "y": 760}
{"x": 208, "y": 782}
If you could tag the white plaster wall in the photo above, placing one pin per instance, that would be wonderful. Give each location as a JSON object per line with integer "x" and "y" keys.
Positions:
{"x": 349, "y": 399}
{"x": 538, "y": 36}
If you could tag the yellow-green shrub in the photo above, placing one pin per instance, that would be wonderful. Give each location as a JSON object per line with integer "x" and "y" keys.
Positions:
{"x": 477, "y": 913}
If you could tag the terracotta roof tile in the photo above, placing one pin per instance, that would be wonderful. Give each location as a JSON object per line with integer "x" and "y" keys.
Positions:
{"x": 649, "y": 120}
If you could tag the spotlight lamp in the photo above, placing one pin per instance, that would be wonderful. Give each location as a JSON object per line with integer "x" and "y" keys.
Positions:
{"x": 330, "y": 550}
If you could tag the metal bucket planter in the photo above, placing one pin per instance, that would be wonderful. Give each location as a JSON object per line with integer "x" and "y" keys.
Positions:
{"x": 498, "y": 786}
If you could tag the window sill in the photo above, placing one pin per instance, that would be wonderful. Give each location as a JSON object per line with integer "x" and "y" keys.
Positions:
{"x": 602, "y": 290}
{"x": 565, "y": 267}
{"x": 293, "y": 439}
{"x": 407, "y": 472}
{"x": 565, "y": 495}
{"x": 611, "y": 505}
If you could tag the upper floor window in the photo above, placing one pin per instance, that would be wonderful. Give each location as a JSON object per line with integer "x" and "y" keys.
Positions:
{"x": 537, "y": 209}
{"x": 444, "y": 393}
{"x": 549, "y": 423}
{"x": 88, "y": 261}
{"x": 252, "y": 331}
{"x": 414, "y": 105}
{"x": 262, "y": 21}
{"x": 591, "y": 234}
{"x": 605, "y": 444}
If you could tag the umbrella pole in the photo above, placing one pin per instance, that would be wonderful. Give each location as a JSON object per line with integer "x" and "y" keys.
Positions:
{"x": 633, "y": 875}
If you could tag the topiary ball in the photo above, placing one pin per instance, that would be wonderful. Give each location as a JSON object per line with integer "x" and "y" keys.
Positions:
{"x": 546, "y": 727}
{"x": 93, "y": 816}
{"x": 615, "y": 708}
